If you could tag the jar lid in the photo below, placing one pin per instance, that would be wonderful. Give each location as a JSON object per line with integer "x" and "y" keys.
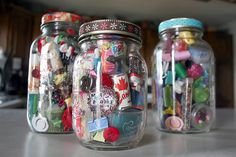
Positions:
{"x": 178, "y": 23}
{"x": 108, "y": 26}
{"x": 61, "y": 16}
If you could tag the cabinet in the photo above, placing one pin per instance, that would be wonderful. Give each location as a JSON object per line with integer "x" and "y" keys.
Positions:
{"x": 149, "y": 42}
{"x": 15, "y": 38}
{"x": 16, "y": 32}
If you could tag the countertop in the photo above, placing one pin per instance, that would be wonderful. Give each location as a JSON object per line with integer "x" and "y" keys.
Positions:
{"x": 16, "y": 140}
{"x": 12, "y": 101}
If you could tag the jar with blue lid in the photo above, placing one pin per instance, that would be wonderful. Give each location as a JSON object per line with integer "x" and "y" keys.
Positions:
{"x": 183, "y": 73}
{"x": 109, "y": 87}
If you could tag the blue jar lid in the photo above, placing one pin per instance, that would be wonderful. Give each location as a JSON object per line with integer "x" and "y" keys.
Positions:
{"x": 180, "y": 22}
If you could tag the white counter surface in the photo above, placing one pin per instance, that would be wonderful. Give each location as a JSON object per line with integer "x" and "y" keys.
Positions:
{"x": 16, "y": 140}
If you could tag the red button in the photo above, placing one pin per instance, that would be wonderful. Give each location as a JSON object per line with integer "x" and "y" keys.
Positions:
{"x": 67, "y": 119}
{"x": 111, "y": 134}
{"x": 36, "y": 73}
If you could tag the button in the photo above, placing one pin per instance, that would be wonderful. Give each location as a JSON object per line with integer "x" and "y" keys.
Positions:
{"x": 86, "y": 83}
{"x": 179, "y": 86}
{"x": 106, "y": 100}
{"x": 200, "y": 54}
{"x": 200, "y": 95}
{"x": 111, "y": 134}
{"x": 202, "y": 116}
{"x": 174, "y": 123}
{"x": 40, "y": 123}
{"x": 195, "y": 71}
{"x": 36, "y": 73}
{"x": 168, "y": 111}
{"x": 200, "y": 82}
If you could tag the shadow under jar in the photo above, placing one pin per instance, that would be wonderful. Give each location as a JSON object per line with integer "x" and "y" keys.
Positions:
{"x": 183, "y": 78}
{"x": 51, "y": 61}
{"x": 109, "y": 89}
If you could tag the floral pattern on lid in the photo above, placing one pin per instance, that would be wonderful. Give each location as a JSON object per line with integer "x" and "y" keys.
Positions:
{"x": 61, "y": 16}
{"x": 109, "y": 26}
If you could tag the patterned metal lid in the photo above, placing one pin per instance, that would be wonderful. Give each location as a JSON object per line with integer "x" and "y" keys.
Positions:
{"x": 108, "y": 26}
{"x": 180, "y": 22}
{"x": 61, "y": 16}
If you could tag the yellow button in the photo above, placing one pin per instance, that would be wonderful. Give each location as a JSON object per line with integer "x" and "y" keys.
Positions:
{"x": 187, "y": 37}
{"x": 169, "y": 110}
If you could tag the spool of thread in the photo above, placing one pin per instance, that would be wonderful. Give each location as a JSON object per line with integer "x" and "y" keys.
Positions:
{"x": 169, "y": 78}
{"x": 33, "y": 101}
{"x": 180, "y": 70}
{"x": 183, "y": 55}
{"x": 167, "y": 92}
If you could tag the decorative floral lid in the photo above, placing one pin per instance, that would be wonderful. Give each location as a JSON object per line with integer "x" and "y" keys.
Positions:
{"x": 61, "y": 16}
{"x": 108, "y": 26}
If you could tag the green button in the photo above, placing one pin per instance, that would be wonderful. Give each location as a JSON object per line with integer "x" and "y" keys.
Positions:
{"x": 200, "y": 95}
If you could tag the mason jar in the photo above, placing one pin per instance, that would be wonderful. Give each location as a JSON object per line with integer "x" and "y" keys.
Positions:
{"x": 51, "y": 60}
{"x": 183, "y": 78}
{"x": 109, "y": 88}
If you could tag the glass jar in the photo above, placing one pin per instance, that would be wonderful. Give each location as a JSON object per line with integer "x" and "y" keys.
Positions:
{"x": 109, "y": 88}
{"x": 50, "y": 74}
{"x": 183, "y": 78}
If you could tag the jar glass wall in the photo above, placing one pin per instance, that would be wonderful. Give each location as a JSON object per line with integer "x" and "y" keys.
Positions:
{"x": 109, "y": 89}
{"x": 183, "y": 78}
{"x": 50, "y": 74}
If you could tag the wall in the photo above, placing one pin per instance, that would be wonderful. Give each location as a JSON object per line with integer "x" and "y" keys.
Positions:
{"x": 231, "y": 28}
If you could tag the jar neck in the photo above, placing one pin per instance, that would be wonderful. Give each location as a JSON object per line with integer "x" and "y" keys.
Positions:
{"x": 174, "y": 33}
{"x": 132, "y": 44}
{"x": 55, "y": 28}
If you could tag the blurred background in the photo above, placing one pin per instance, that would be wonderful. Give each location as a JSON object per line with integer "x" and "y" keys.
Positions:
{"x": 20, "y": 25}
